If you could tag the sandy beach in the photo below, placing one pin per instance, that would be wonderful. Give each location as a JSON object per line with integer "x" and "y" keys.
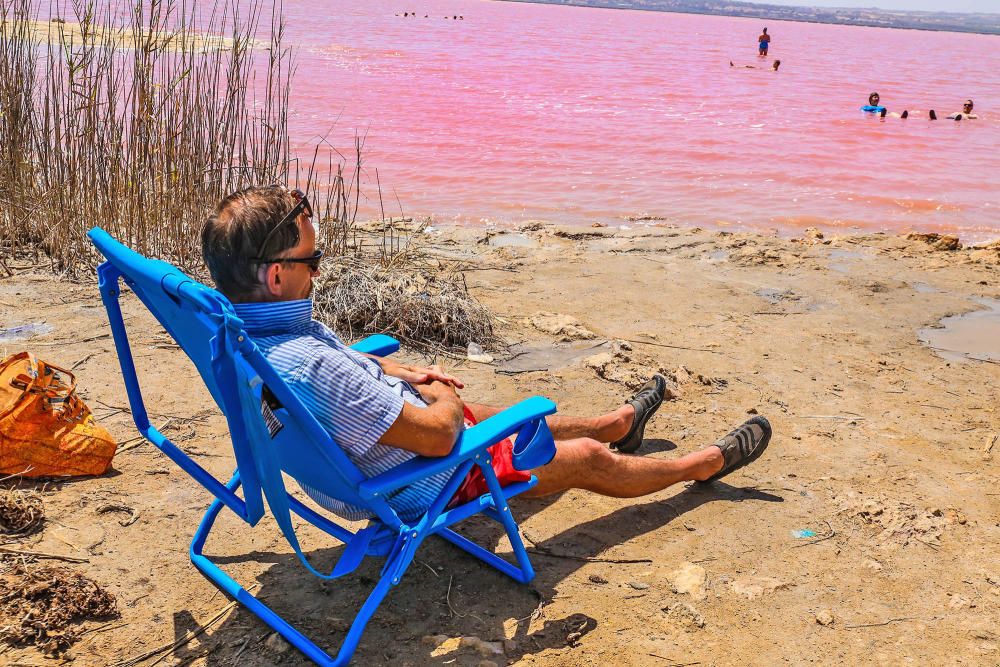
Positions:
{"x": 867, "y": 534}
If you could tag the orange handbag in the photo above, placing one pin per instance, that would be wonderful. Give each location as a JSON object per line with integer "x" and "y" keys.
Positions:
{"x": 46, "y": 430}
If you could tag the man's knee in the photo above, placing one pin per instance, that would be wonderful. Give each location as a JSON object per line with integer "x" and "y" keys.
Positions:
{"x": 595, "y": 454}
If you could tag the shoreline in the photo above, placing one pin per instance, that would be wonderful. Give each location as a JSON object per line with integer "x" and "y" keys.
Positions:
{"x": 790, "y": 228}
{"x": 882, "y": 458}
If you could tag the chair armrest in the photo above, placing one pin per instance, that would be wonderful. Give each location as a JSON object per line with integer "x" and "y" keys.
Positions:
{"x": 470, "y": 444}
{"x": 380, "y": 345}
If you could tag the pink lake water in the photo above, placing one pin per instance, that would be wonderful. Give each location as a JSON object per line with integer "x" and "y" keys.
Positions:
{"x": 522, "y": 112}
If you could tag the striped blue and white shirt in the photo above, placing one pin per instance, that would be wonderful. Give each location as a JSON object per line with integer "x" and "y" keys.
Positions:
{"x": 348, "y": 394}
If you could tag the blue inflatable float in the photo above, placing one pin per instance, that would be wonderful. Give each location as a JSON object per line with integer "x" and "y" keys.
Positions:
{"x": 868, "y": 108}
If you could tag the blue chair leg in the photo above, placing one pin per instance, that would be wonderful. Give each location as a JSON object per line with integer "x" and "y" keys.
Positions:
{"x": 500, "y": 512}
{"x": 229, "y": 586}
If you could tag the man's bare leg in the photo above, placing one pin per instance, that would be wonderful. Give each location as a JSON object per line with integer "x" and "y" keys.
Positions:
{"x": 585, "y": 463}
{"x": 604, "y": 428}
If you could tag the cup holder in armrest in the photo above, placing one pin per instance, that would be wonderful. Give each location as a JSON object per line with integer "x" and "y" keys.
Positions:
{"x": 534, "y": 446}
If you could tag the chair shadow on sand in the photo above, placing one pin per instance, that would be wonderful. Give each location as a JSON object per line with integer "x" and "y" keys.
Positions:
{"x": 445, "y": 592}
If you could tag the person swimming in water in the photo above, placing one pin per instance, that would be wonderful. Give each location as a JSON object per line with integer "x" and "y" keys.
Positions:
{"x": 966, "y": 112}
{"x": 774, "y": 66}
{"x": 763, "y": 42}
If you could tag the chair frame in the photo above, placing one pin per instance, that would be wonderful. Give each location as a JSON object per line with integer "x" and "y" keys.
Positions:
{"x": 387, "y": 535}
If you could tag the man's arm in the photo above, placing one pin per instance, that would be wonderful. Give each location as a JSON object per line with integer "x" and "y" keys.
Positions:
{"x": 414, "y": 374}
{"x": 430, "y": 431}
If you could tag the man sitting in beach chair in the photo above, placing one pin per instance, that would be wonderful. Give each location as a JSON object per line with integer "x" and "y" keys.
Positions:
{"x": 260, "y": 247}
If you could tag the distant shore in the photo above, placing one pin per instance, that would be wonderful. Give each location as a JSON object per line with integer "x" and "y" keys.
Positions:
{"x": 979, "y": 23}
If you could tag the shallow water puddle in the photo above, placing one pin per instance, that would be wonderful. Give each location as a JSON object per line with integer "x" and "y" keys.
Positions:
{"x": 24, "y": 332}
{"x": 512, "y": 241}
{"x": 546, "y": 356}
{"x": 974, "y": 335}
{"x": 845, "y": 256}
{"x": 776, "y": 296}
{"x": 924, "y": 288}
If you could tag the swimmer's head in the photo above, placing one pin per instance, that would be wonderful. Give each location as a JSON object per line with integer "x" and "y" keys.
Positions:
{"x": 967, "y": 107}
{"x": 873, "y": 99}
{"x": 765, "y": 31}
{"x": 776, "y": 65}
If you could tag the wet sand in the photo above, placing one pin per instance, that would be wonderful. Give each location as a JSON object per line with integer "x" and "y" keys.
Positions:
{"x": 867, "y": 534}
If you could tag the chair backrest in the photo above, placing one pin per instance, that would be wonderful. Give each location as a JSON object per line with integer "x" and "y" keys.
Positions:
{"x": 271, "y": 432}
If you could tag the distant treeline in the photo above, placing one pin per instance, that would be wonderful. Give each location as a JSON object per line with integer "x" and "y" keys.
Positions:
{"x": 882, "y": 18}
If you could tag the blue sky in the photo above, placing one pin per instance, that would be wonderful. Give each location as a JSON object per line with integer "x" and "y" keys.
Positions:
{"x": 992, "y": 6}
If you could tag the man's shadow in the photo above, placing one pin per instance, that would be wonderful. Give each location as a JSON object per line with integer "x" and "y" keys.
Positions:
{"x": 445, "y": 592}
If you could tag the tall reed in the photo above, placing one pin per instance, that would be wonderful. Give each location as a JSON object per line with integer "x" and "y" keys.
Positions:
{"x": 139, "y": 118}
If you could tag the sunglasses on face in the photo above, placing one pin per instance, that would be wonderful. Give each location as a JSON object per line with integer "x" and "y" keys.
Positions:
{"x": 301, "y": 206}
{"x": 312, "y": 261}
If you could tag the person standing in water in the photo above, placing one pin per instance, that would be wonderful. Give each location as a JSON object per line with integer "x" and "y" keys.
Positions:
{"x": 763, "y": 42}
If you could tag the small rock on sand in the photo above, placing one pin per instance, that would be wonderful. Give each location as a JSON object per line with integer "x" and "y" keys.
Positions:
{"x": 689, "y": 578}
{"x": 825, "y": 617}
{"x": 937, "y": 241}
{"x": 684, "y": 615}
{"x": 755, "y": 587}
{"x": 482, "y": 647}
{"x": 276, "y": 643}
{"x": 565, "y": 326}
{"x": 443, "y": 645}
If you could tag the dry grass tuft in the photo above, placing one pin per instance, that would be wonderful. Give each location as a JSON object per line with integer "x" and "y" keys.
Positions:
{"x": 421, "y": 302}
{"x": 139, "y": 119}
{"x": 43, "y": 606}
{"x": 21, "y": 512}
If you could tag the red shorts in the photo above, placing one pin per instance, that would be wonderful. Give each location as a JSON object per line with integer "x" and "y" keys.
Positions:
{"x": 474, "y": 484}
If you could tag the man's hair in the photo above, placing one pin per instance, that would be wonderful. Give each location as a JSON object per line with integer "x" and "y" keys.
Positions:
{"x": 232, "y": 236}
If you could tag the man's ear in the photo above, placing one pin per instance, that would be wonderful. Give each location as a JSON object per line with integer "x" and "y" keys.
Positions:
{"x": 272, "y": 279}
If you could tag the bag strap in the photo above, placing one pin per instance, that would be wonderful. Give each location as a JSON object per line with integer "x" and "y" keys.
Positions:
{"x": 254, "y": 430}
{"x": 60, "y": 394}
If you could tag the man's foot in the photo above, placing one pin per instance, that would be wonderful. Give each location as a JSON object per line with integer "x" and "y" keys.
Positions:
{"x": 905, "y": 114}
{"x": 646, "y": 402}
{"x": 932, "y": 115}
{"x": 743, "y": 445}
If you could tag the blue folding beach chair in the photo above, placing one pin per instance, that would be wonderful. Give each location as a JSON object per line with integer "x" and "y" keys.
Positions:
{"x": 273, "y": 433}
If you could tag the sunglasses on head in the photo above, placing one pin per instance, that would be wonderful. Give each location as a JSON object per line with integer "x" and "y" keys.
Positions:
{"x": 301, "y": 206}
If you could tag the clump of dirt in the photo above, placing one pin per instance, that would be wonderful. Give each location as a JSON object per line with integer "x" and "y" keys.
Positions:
{"x": 896, "y": 523}
{"x": 565, "y": 326}
{"x": 626, "y": 366}
{"x": 937, "y": 241}
{"x": 632, "y": 369}
{"x": 21, "y": 512}
{"x": 43, "y": 606}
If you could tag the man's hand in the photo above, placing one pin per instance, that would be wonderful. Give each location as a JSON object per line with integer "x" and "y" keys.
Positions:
{"x": 436, "y": 390}
{"x": 417, "y": 375}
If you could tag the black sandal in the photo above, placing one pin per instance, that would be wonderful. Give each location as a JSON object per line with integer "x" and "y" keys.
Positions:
{"x": 743, "y": 445}
{"x": 646, "y": 402}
